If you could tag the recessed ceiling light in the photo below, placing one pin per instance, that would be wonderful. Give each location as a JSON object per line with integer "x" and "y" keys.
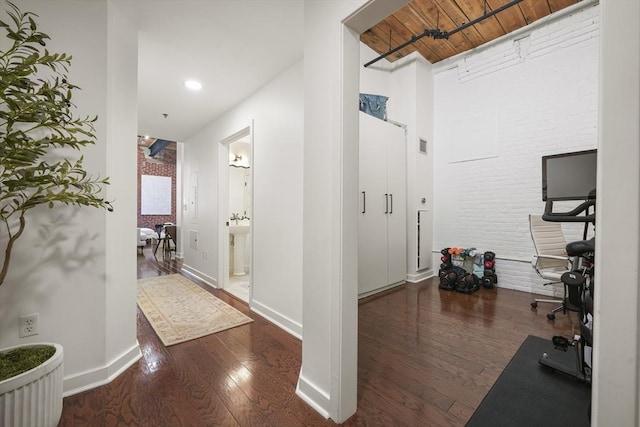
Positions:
{"x": 193, "y": 85}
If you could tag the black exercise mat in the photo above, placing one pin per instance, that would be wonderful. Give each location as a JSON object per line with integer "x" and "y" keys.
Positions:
{"x": 529, "y": 394}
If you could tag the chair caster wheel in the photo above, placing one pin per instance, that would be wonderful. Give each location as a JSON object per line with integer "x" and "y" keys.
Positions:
{"x": 534, "y": 304}
{"x": 551, "y": 316}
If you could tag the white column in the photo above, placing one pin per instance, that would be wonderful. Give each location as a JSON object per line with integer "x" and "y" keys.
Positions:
{"x": 328, "y": 377}
{"x": 616, "y": 400}
{"x": 86, "y": 281}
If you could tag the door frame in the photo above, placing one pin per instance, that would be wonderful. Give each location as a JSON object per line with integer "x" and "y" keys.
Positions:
{"x": 223, "y": 207}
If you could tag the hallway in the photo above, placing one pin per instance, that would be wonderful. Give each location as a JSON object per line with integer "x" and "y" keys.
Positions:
{"x": 426, "y": 357}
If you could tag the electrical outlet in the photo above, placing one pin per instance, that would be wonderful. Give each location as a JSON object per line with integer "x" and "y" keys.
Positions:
{"x": 28, "y": 325}
{"x": 205, "y": 254}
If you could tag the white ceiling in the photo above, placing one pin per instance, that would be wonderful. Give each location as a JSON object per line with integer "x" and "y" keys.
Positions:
{"x": 233, "y": 47}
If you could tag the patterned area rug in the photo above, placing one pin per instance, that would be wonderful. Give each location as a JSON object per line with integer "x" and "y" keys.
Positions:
{"x": 179, "y": 310}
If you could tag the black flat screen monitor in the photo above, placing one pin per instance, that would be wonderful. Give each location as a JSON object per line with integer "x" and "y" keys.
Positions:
{"x": 569, "y": 176}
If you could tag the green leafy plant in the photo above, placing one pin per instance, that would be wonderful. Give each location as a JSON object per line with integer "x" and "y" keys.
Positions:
{"x": 37, "y": 127}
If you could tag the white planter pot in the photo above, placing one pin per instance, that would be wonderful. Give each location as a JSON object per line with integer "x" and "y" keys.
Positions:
{"x": 33, "y": 398}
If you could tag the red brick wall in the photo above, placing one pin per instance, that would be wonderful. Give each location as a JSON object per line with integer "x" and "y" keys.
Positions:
{"x": 163, "y": 164}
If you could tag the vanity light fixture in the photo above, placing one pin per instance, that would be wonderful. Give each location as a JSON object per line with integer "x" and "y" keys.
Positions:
{"x": 237, "y": 161}
{"x": 193, "y": 85}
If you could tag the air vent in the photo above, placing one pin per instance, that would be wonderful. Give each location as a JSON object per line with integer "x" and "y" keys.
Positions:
{"x": 423, "y": 146}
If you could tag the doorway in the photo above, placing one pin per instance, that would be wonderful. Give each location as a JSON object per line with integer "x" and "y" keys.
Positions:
{"x": 235, "y": 210}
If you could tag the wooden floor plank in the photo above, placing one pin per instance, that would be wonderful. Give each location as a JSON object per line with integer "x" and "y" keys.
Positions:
{"x": 426, "y": 357}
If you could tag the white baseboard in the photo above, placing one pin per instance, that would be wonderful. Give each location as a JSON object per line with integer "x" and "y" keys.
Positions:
{"x": 200, "y": 276}
{"x": 292, "y": 327}
{"x": 93, "y": 378}
{"x": 313, "y": 396}
{"x": 419, "y": 276}
{"x": 381, "y": 289}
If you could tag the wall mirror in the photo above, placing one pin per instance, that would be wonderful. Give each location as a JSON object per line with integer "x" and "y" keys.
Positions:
{"x": 240, "y": 179}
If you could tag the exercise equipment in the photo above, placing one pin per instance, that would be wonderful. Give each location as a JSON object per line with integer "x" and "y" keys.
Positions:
{"x": 454, "y": 277}
{"x": 448, "y": 280}
{"x": 490, "y": 278}
{"x": 468, "y": 283}
{"x": 574, "y": 358}
{"x": 478, "y": 266}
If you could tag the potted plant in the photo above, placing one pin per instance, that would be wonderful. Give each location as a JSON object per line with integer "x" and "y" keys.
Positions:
{"x": 37, "y": 130}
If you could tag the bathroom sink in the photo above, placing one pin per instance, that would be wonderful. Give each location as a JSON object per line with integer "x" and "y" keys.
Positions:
{"x": 239, "y": 232}
{"x": 239, "y": 229}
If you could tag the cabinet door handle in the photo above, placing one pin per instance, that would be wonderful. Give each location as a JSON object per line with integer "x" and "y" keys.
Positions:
{"x": 391, "y": 197}
{"x": 386, "y": 203}
{"x": 364, "y": 202}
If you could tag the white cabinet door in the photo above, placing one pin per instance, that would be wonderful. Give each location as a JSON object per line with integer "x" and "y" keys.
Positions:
{"x": 372, "y": 224}
{"x": 382, "y": 230}
{"x": 397, "y": 217}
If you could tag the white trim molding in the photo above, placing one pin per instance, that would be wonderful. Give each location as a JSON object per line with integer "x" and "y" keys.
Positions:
{"x": 93, "y": 378}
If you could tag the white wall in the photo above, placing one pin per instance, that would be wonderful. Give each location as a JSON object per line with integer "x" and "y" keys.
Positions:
{"x": 277, "y": 114}
{"x": 121, "y": 166}
{"x": 616, "y": 399}
{"x": 376, "y": 78}
{"x": 497, "y": 111}
{"x": 328, "y": 376}
{"x": 423, "y": 177}
{"x": 410, "y": 103}
{"x": 63, "y": 266}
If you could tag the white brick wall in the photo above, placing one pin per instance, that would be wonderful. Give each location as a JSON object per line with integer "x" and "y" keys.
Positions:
{"x": 522, "y": 98}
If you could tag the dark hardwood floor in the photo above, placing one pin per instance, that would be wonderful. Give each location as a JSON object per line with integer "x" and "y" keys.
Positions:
{"x": 426, "y": 358}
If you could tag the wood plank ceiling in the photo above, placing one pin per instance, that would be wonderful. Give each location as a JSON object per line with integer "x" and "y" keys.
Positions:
{"x": 447, "y": 15}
